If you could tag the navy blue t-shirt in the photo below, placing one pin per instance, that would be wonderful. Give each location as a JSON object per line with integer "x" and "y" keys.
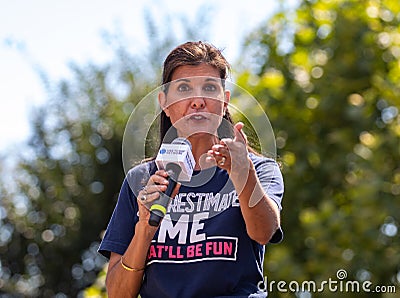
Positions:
{"x": 201, "y": 248}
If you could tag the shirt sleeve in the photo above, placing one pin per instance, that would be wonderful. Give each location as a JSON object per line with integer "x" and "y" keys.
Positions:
{"x": 121, "y": 228}
{"x": 271, "y": 180}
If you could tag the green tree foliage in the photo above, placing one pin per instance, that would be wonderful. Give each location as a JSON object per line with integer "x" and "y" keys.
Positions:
{"x": 328, "y": 75}
{"x": 67, "y": 182}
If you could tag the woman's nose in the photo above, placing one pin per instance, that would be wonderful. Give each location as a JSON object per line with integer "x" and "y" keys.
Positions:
{"x": 198, "y": 103}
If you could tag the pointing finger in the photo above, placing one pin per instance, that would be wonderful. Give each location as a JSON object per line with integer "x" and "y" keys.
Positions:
{"x": 239, "y": 133}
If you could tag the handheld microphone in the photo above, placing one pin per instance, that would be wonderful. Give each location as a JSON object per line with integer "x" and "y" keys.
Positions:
{"x": 177, "y": 159}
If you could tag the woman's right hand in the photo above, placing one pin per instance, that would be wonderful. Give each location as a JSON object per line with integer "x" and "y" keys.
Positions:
{"x": 157, "y": 183}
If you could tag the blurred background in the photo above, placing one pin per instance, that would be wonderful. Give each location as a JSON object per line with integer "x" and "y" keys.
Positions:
{"x": 327, "y": 73}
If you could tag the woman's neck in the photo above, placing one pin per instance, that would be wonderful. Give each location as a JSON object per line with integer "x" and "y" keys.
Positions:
{"x": 200, "y": 146}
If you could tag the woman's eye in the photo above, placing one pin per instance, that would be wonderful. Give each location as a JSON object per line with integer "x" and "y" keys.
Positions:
{"x": 183, "y": 88}
{"x": 210, "y": 88}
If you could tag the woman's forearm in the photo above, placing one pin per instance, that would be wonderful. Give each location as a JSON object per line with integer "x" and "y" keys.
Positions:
{"x": 261, "y": 214}
{"x": 120, "y": 281}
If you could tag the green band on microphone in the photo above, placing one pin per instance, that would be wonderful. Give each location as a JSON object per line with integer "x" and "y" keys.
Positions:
{"x": 158, "y": 207}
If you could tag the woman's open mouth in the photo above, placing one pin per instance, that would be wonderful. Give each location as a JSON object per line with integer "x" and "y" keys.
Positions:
{"x": 197, "y": 117}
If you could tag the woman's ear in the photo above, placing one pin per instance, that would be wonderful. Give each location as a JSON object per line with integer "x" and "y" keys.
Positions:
{"x": 227, "y": 99}
{"x": 162, "y": 100}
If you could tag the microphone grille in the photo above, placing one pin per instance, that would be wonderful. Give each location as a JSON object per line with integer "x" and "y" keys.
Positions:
{"x": 182, "y": 141}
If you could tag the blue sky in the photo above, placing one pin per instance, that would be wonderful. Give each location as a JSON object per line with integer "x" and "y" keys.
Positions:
{"x": 50, "y": 33}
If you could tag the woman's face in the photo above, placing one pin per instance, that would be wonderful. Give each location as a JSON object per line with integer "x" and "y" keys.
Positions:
{"x": 195, "y": 101}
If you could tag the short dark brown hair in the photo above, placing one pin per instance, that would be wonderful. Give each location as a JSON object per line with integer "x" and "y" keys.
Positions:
{"x": 195, "y": 53}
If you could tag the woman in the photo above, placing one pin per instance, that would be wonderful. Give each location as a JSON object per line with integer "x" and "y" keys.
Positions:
{"x": 212, "y": 241}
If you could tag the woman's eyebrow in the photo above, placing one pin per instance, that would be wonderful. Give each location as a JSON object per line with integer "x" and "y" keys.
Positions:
{"x": 208, "y": 79}
{"x": 182, "y": 80}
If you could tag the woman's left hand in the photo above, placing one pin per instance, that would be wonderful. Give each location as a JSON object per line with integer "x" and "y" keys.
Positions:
{"x": 231, "y": 154}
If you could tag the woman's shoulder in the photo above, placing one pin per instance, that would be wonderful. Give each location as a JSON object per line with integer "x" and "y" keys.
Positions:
{"x": 139, "y": 174}
{"x": 259, "y": 160}
{"x": 145, "y": 166}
